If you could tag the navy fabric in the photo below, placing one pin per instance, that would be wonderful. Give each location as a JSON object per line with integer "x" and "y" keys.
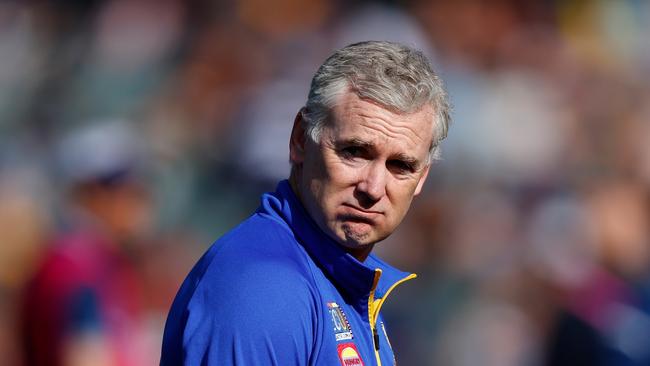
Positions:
{"x": 277, "y": 291}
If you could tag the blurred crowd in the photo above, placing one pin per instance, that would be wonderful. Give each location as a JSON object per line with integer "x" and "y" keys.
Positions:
{"x": 134, "y": 132}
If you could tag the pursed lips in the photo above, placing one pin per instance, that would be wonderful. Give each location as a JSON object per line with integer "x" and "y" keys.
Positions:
{"x": 354, "y": 212}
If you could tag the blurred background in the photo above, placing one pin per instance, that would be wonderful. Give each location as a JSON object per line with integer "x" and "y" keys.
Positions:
{"x": 134, "y": 133}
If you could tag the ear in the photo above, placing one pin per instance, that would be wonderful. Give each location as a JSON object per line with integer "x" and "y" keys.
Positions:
{"x": 422, "y": 179}
{"x": 297, "y": 140}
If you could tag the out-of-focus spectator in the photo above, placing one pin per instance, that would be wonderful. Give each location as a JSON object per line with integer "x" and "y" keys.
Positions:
{"x": 588, "y": 256}
{"x": 83, "y": 306}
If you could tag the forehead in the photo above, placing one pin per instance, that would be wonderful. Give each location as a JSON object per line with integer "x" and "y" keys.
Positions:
{"x": 356, "y": 118}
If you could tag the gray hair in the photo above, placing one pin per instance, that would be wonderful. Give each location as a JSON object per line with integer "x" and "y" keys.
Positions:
{"x": 393, "y": 75}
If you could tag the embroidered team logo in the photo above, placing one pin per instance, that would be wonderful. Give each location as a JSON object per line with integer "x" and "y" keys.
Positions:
{"x": 342, "y": 330}
{"x": 349, "y": 355}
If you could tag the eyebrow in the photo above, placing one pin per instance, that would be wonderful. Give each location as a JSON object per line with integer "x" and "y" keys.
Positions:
{"x": 408, "y": 159}
{"x": 357, "y": 142}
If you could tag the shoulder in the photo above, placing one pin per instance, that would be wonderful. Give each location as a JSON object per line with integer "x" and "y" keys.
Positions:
{"x": 254, "y": 265}
{"x": 259, "y": 260}
{"x": 254, "y": 285}
{"x": 257, "y": 244}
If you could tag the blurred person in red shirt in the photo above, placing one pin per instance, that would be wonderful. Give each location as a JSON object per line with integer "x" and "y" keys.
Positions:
{"x": 83, "y": 305}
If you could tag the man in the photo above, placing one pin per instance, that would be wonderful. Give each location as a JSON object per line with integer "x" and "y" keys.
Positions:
{"x": 296, "y": 283}
{"x": 83, "y": 305}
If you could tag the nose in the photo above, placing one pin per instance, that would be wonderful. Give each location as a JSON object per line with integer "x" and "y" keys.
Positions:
{"x": 372, "y": 185}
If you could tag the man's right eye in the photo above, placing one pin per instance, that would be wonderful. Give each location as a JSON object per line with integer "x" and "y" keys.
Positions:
{"x": 352, "y": 152}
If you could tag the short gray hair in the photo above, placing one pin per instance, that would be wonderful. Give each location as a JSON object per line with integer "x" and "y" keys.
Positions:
{"x": 393, "y": 75}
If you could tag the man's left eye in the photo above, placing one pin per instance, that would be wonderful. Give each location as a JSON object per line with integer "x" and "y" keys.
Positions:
{"x": 400, "y": 167}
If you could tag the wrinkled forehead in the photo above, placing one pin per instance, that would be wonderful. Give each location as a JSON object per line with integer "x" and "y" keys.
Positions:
{"x": 353, "y": 116}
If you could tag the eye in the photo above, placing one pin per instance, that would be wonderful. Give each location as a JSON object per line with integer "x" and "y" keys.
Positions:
{"x": 400, "y": 167}
{"x": 351, "y": 152}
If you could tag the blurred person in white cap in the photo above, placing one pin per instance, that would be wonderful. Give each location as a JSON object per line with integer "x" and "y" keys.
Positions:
{"x": 83, "y": 305}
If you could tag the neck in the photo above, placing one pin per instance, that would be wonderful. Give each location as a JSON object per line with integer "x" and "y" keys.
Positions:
{"x": 360, "y": 253}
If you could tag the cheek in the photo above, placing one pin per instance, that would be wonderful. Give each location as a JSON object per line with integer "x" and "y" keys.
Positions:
{"x": 341, "y": 174}
{"x": 337, "y": 187}
{"x": 400, "y": 196}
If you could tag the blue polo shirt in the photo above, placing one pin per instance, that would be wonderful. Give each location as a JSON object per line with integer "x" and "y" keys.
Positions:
{"x": 277, "y": 291}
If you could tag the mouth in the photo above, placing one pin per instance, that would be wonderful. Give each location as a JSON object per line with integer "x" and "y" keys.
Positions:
{"x": 353, "y": 213}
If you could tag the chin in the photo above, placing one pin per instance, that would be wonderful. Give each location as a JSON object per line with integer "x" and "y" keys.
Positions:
{"x": 354, "y": 238}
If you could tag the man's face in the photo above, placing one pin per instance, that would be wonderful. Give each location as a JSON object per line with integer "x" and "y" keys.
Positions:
{"x": 358, "y": 182}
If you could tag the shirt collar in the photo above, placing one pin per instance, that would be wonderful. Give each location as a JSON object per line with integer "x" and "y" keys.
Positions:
{"x": 348, "y": 274}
